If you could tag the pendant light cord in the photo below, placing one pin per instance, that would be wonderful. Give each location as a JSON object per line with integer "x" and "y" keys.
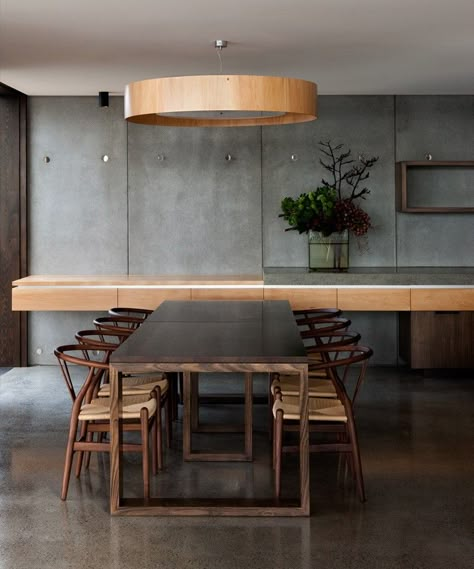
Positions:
{"x": 219, "y": 55}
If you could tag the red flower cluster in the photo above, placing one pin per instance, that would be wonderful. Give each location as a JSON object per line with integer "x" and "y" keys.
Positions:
{"x": 350, "y": 216}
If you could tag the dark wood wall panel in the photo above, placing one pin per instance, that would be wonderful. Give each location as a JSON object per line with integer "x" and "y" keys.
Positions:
{"x": 13, "y": 222}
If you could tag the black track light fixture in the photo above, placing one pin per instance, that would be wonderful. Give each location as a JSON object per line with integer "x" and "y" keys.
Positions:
{"x": 103, "y": 99}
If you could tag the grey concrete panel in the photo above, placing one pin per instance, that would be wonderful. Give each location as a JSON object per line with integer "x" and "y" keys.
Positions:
{"x": 48, "y": 330}
{"x": 379, "y": 331}
{"x": 438, "y": 125}
{"x": 364, "y": 124}
{"x": 77, "y": 203}
{"x": 443, "y": 127}
{"x": 194, "y": 212}
{"x": 435, "y": 240}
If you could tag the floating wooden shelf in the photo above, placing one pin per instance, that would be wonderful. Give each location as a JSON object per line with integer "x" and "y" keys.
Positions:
{"x": 88, "y": 293}
{"x": 402, "y": 185}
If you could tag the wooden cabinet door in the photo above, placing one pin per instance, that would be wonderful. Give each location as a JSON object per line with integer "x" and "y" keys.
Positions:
{"x": 442, "y": 339}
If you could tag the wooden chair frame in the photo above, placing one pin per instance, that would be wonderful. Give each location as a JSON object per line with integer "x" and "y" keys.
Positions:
{"x": 336, "y": 339}
{"x": 88, "y": 338}
{"x": 320, "y": 325}
{"x": 84, "y": 442}
{"x": 142, "y": 313}
{"x": 111, "y": 323}
{"x": 347, "y": 441}
{"x": 316, "y": 313}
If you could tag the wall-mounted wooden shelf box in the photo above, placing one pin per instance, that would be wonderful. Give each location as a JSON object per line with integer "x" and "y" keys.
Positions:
{"x": 403, "y": 190}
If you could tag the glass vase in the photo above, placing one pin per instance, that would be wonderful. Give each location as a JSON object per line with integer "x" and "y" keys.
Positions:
{"x": 328, "y": 252}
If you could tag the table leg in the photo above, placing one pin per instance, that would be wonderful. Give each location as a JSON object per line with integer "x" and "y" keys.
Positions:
{"x": 304, "y": 443}
{"x": 115, "y": 440}
{"x": 191, "y": 396}
{"x": 119, "y": 505}
{"x": 194, "y": 389}
{"x": 187, "y": 414}
{"x": 248, "y": 420}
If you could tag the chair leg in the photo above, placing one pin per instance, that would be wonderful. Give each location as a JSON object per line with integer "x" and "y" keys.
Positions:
{"x": 356, "y": 462}
{"x": 69, "y": 456}
{"x": 159, "y": 431}
{"x": 168, "y": 419}
{"x": 348, "y": 460}
{"x": 278, "y": 449}
{"x": 270, "y": 407}
{"x": 274, "y": 427}
{"x": 87, "y": 455}
{"x": 145, "y": 452}
{"x": 154, "y": 446}
{"x": 174, "y": 396}
{"x": 80, "y": 454}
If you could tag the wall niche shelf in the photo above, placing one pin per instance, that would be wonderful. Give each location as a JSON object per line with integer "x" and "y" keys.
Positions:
{"x": 402, "y": 174}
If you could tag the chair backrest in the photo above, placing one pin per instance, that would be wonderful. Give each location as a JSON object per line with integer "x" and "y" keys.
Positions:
{"x": 85, "y": 357}
{"x": 111, "y": 323}
{"x": 322, "y": 326}
{"x": 345, "y": 358}
{"x": 316, "y": 313}
{"x": 102, "y": 339}
{"x": 336, "y": 340}
{"x": 142, "y": 313}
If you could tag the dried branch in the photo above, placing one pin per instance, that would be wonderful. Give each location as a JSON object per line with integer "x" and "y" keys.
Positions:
{"x": 343, "y": 170}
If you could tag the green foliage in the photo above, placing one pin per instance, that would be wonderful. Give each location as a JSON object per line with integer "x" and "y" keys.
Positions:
{"x": 314, "y": 210}
{"x": 331, "y": 207}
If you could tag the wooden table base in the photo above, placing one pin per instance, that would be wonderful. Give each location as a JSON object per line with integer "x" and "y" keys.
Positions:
{"x": 191, "y": 423}
{"x": 208, "y": 507}
{"x": 211, "y": 507}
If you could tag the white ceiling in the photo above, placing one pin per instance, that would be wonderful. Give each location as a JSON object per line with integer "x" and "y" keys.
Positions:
{"x": 64, "y": 47}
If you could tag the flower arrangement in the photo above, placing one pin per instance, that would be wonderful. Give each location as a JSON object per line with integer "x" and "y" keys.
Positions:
{"x": 332, "y": 206}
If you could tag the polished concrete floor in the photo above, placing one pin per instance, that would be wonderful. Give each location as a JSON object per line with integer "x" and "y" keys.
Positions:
{"x": 416, "y": 437}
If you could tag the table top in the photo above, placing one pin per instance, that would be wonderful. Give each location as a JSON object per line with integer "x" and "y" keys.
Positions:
{"x": 216, "y": 332}
{"x": 221, "y": 311}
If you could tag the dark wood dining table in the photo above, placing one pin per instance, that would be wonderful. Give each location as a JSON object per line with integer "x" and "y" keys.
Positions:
{"x": 221, "y": 337}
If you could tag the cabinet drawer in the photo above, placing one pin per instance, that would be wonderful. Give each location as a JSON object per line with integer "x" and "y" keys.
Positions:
{"x": 373, "y": 299}
{"x": 63, "y": 298}
{"x": 150, "y": 298}
{"x": 300, "y": 298}
{"x": 227, "y": 294}
{"x": 442, "y": 299}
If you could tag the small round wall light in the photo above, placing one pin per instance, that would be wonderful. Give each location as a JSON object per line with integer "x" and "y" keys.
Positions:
{"x": 46, "y": 159}
{"x": 105, "y": 158}
{"x": 229, "y": 157}
{"x": 294, "y": 157}
{"x": 428, "y": 157}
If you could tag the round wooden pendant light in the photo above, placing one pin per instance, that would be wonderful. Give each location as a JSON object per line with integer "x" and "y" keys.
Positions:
{"x": 221, "y": 100}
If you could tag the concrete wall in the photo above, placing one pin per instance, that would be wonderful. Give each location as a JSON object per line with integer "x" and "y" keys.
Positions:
{"x": 364, "y": 124}
{"x": 196, "y": 213}
{"x": 443, "y": 127}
